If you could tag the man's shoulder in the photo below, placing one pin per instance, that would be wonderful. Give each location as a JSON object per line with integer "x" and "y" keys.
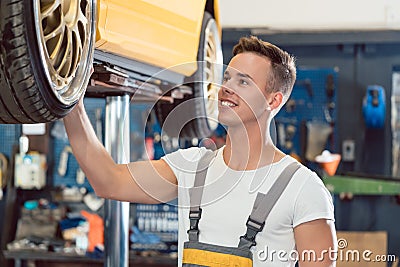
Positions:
{"x": 307, "y": 182}
{"x": 189, "y": 154}
{"x": 303, "y": 175}
{"x": 186, "y": 158}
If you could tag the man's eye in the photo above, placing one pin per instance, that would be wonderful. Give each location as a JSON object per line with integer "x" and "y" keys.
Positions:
{"x": 225, "y": 79}
{"x": 243, "y": 82}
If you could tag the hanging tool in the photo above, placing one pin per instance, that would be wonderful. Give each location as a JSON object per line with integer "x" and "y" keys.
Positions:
{"x": 3, "y": 170}
{"x": 374, "y": 107}
{"x": 80, "y": 176}
{"x": 290, "y": 133}
{"x": 330, "y": 93}
{"x": 303, "y": 140}
{"x": 306, "y": 83}
{"x": 330, "y": 87}
{"x": 99, "y": 126}
{"x": 328, "y": 110}
{"x": 3, "y": 173}
{"x": 281, "y": 133}
{"x": 63, "y": 163}
{"x": 290, "y": 105}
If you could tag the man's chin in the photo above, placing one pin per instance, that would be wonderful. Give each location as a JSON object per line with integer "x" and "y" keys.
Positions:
{"x": 228, "y": 122}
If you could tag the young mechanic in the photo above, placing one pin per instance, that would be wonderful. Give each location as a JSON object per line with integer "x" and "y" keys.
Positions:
{"x": 256, "y": 84}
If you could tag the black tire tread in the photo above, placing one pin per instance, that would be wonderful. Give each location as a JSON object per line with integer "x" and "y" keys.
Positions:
{"x": 18, "y": 82}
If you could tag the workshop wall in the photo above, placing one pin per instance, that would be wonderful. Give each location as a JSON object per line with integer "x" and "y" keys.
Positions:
{"x": 305, "y": 126}
{"x": 361, "y": 59}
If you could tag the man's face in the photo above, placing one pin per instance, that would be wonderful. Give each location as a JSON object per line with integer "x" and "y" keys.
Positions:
{"x": 243, "y": 97}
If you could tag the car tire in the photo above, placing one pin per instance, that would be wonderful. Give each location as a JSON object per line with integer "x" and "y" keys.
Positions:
{"x": 195, "y": 115}
{"x": 46, "y": 54}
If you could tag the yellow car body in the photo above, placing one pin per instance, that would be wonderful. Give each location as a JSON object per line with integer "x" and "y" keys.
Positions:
{"x": 157, "y": 32}
{"x": 163, "y": 51}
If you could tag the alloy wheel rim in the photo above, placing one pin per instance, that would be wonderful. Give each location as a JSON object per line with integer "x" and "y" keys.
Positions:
{"x": 63, "y": 32}
{"x": 213, "y": 72}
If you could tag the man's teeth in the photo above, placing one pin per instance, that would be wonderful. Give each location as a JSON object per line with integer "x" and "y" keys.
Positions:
{"x": 227, "y": 104}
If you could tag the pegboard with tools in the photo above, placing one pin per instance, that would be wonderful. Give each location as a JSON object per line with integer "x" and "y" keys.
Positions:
{"x": 306, "y": 126}
{"x": 9, "y": 137}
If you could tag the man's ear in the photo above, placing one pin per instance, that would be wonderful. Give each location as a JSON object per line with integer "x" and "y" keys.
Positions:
{"x": 276, "y": 100}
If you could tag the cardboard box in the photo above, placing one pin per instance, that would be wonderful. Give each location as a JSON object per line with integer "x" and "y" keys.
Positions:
{"x": 367, "y": 249}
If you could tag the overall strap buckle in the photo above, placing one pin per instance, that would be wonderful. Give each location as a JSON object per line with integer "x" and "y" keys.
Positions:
{"x": 194, "y": 217}
{"x": 253, "y": 228}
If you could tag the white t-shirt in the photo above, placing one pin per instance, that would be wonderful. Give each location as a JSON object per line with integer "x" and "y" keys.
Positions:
{"x": 228, "y": 199}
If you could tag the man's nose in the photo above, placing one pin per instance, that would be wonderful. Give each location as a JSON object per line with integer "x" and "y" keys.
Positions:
{"x": 227, "y": 90}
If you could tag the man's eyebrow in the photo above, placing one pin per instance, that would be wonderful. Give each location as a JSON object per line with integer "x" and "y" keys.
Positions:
{"x": 240, "y": 74}
{"x": 244, "y": 75}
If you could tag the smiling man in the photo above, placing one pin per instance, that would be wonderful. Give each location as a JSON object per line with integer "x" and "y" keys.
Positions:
{"x": 257, "y": 83}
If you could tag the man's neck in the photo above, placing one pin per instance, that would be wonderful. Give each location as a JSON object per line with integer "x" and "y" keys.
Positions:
{"x": 249, "y": 148}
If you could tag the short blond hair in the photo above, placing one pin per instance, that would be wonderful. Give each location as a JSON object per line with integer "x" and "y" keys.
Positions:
{"x": 283, "y": 65}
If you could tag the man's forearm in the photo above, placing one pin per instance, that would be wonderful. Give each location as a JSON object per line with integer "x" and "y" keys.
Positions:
{"x": 91, "y": 155}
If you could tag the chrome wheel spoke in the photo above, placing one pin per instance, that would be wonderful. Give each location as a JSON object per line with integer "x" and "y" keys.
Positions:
{"x": 66, "y": 55}
{"x": 77, "y": 50}
{"x": 49, "y": 7}
{"x": 211, "y": 49}
{"x": 57, "y": 31}
{"x": 54, "y": 44}
{"x": 209, "y": 74}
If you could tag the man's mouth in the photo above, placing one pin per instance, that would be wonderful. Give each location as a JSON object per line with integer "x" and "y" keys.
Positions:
{"x": 226, "y": 103}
